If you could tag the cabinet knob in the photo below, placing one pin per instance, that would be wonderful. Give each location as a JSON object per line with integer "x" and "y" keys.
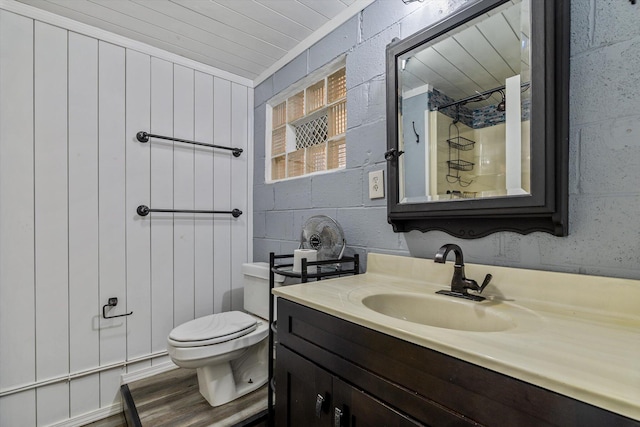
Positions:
{"x": 337, "y": 417}
{"x": 319, "y": 402}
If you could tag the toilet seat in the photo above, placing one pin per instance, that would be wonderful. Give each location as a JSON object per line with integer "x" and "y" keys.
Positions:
{"x": 213, "y": 329}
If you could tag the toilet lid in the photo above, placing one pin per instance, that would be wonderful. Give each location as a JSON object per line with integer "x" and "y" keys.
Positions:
{"x": 213, "y": 329}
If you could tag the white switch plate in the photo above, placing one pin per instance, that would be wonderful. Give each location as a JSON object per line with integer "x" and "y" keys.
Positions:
{"x": 376, "y": 184}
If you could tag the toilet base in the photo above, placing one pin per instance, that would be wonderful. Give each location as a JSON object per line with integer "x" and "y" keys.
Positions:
{"x": 223, "y": 382}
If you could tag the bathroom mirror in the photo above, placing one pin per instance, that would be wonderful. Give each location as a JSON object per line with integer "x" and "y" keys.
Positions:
{"x": 477, "y": 117}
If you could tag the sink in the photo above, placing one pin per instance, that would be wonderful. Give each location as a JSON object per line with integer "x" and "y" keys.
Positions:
{"x": 440, "y": 312}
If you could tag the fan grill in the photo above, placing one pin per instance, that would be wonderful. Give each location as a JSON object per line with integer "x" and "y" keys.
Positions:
{"x": 324, "y": 234}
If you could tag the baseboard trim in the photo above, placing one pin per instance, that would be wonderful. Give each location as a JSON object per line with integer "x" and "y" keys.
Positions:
{"x": 90, "y": 417}
{"x": 147, "y": 372}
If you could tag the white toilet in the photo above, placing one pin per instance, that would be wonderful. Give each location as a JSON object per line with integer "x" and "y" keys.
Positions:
{"x": 229, "y": 350}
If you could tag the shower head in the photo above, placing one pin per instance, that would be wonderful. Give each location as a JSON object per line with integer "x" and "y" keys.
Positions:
{"x": 502, "y": 105}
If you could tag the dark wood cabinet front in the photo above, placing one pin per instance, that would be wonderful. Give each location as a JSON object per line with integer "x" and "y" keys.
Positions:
{"x": 330, "y": 372}
{"x": 303, "y": 392}
{"x": 307, "y": 395}
{"x": 355, "y": 408}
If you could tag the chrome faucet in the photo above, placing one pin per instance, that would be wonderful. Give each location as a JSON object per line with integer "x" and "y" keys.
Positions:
{"x": 459, "y": 283}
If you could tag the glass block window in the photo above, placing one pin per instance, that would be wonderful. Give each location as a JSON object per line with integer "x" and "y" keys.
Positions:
{"x": 279, "y": 167}
{"x": 279, "y": 140}
{"x": 316, "y": 158}
{"x": 338, "y": 118}
{"x": 295, "y": 106}
{"x": 279, "y": 115}
{"x": 337, "y": 85}
{"x": 315, "y": 97}
{"x": 311, "y": 133}
{"x": 295, "y": 163}
{"x": 337, "y": 154}
{"x": 306, "y": 133}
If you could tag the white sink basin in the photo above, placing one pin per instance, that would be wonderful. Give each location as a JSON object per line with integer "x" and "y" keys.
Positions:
{"x": 441, "y": 312}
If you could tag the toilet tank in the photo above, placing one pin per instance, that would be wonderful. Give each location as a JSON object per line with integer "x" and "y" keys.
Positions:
{"x": 256, "y": 288}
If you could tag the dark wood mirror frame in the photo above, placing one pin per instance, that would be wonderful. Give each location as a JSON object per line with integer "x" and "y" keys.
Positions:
{"x": 546, "y": 209}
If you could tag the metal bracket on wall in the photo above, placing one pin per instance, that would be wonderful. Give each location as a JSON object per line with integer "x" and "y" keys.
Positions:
{"x": 112, "y": 303}
{"x": 392, "y": 154}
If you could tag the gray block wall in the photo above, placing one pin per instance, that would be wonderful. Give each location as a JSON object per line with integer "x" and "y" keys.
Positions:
{"x": 604, "y": 201}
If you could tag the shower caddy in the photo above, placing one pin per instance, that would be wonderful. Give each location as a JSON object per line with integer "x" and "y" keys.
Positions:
{"x": 455, "y": 163}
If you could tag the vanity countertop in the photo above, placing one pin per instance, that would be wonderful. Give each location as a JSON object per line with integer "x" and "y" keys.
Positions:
{"x": 576, "y": 335}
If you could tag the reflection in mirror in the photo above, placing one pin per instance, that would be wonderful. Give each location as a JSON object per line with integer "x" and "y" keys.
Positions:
{"x": 464, "y": 110}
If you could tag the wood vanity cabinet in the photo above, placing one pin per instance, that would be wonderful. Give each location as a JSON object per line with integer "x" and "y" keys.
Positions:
{"x": 325, "y": 364}
{"x": 316, "y": 398}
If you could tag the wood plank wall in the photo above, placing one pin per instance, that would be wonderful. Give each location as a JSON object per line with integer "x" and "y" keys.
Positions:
{"x": 71, "y": 177}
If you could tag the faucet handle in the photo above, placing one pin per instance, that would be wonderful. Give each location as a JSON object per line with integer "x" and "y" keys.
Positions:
{"x": 487, "y": 279}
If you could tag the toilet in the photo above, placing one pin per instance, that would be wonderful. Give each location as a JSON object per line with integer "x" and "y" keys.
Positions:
{"x": 229, "y": 350}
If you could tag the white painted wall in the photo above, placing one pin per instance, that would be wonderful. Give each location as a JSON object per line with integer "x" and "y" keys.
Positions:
{"x": 71, "y": 176}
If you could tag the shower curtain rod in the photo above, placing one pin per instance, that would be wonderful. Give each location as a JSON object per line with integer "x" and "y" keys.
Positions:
{"x": 143, "y": 136}
{"x": 480, "y": 96}
{"x": 146, "y": 210}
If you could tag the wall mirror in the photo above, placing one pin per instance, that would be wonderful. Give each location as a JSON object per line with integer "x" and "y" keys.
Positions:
{"x": 477, "y": 116}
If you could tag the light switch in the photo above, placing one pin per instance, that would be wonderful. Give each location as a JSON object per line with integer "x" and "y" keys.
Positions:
{"x": 376, "y": 184}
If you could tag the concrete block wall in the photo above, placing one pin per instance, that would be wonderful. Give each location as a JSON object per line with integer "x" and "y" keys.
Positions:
{"x": 604, "y": 199}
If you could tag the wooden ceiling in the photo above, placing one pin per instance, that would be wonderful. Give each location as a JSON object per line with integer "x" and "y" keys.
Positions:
{"x": 249, "y": 38}
{"x": 478, "y": 56}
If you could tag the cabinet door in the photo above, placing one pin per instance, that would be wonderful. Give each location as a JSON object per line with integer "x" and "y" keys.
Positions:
{"x": 303, "y": 392}
{"x": 309, "y": 396}
{"x": 354, "y": 408}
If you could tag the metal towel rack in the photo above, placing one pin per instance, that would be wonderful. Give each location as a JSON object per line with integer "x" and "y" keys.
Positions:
{"x": 112, "y": 303}
{"x": 143, "y": 136}
{"x": 145, "y": 210}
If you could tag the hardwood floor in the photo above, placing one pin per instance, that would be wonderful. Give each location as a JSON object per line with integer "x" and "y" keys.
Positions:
{"x": 172, "y": 399}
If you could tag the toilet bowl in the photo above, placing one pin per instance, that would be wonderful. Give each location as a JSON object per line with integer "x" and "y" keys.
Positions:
{"x": 228, "y": 350}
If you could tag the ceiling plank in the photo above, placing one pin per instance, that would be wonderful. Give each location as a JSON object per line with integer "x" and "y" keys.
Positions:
{"x": 258, "y": 12}
{"x": 80, "y": 14}
{"x": 451, "y": 74}
{"x": 467, "y": 65}
{"x": 257, "y": 29}
{"x": 326, "y": 8}
{"x": 236, "y": 39}
{"x": 410, "y": 81}
{"x": 250, "y": 39}
{"x": 296, "y": 11}
{"x": 497, "y": 31}
{"x": 425, "y": 66}
{"x": 167, "y": 27}
{"x": 474, "y": 42}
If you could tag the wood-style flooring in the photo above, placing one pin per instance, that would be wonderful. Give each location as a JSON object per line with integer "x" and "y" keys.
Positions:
{"x": 172, "y": 399}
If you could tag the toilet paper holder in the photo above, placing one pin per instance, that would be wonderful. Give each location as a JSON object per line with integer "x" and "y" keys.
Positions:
{"x": 112, "y": 302}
